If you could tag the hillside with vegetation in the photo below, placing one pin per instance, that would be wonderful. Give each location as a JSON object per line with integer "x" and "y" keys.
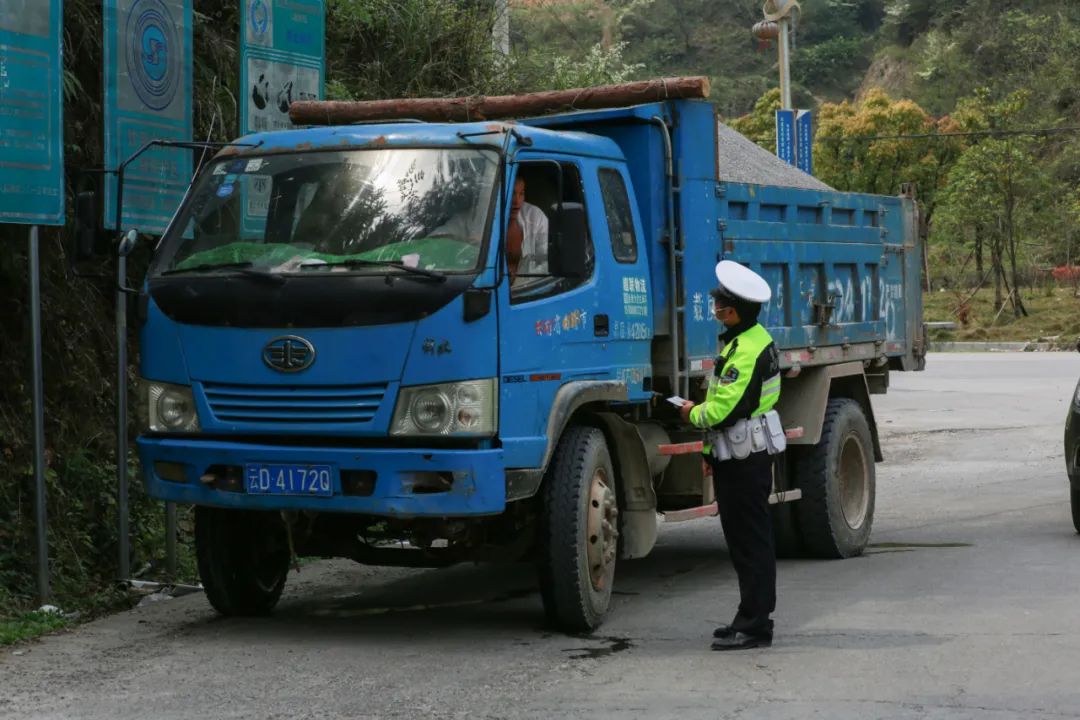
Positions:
{"x": 976, "y": 101}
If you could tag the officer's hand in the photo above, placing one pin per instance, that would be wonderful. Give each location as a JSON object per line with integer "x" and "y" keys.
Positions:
{"x": 684, "y": 411}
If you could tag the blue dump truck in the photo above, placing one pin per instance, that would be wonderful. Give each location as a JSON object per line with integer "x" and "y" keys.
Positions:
{"x": 335, "y": 361}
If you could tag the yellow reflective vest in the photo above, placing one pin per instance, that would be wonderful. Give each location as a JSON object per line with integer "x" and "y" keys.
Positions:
{"x": 745, "y": 382}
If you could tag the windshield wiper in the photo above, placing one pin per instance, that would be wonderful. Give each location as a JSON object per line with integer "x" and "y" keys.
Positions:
{"x": 357, "y": 262}
{"x": 208, "y": 266}
{"x": 244, "y": 268}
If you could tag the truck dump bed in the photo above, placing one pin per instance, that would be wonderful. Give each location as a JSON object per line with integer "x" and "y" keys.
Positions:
{"x": 844, "y": 267}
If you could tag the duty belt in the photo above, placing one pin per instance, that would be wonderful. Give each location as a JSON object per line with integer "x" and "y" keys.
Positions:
{"x": 761, "y": 433}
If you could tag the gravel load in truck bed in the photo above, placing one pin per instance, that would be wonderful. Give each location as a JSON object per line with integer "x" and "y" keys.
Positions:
{"x": 742, "y": 161}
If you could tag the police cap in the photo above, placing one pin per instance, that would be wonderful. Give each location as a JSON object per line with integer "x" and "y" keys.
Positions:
{"x": 740, "y": 283}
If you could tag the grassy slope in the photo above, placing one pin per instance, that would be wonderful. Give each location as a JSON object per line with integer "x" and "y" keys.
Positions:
{"x": 1050, "y": 315}
{"x": 29, "y": 625}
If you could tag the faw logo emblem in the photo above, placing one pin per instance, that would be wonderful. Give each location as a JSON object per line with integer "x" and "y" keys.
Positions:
{"x": 289, "y": 354}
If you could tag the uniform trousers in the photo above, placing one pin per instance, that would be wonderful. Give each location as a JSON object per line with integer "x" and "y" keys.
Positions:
{"x": 742, "y": 496}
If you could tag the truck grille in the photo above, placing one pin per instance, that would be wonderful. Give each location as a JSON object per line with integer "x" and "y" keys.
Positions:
{"x": 274, "y": 404}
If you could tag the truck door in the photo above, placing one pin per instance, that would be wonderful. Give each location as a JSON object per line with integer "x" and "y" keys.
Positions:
{"x": 553, "y": 325}
{"x": 626, "y": 280}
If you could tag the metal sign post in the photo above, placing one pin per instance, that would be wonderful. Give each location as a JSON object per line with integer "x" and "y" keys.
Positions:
{"x": 124, "y": 565}
{"x": 39, "y": 417}
{"x": 785, "y": 63}
{"x": 32, "y": 177}
{"x": 784, "y": 13}
{"x": 779, "y": 22}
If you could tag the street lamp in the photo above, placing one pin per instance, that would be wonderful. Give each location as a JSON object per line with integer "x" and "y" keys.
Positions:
{"x": 780, "y": 16}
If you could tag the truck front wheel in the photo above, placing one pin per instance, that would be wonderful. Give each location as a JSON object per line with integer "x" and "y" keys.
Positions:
{"x": 243, "y": 559}
{"x": 579, "y": 534}
{"x": 836, "y": 476}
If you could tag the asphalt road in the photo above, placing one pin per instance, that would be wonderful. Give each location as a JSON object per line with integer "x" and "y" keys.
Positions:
{"x": 967, "y": 605}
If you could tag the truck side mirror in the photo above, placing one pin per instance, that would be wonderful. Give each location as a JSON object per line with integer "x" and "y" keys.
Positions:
{"x": 128, "y": 242}
{"x": 89, "y": 234}
{"x": 568, "y": 242}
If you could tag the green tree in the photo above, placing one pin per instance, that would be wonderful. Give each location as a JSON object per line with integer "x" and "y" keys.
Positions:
{"x": 409, "y": 48}
{"x": 600, "y": 66}
{"x": 994, "y": 189}
{"x": 848, "y": 157}
{"x": 759, "y": 124}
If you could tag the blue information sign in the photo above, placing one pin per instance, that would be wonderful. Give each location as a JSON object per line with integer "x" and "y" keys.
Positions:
{"x": 785, "y": 135}
{"x": 148, "y": 53}
{"x": 804, "y": 134}
{"x": 31, "y": 113}
{"x": 282, "y": 59}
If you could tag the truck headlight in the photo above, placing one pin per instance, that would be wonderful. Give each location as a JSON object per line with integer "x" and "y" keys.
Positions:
{"x": 461, "y": 409}
{"x": 167, "y": 408}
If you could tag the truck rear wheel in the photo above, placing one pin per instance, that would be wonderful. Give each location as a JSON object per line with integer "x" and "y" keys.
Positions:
{"x": 1074, "y": 497}
{"x": 786, "y": 538}
{"x": 579, "y": 533}
{"x": 836, "y": 476}
{"x": 243, "y": 559}
{"x": 785, "y": 534}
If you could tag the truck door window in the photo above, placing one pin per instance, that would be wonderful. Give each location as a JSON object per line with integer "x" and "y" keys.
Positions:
{"x": 544, "y": 218}
{"x": 620, "y": 219}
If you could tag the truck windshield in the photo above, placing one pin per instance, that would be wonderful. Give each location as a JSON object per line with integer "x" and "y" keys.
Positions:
{"x": 357, "y": 211}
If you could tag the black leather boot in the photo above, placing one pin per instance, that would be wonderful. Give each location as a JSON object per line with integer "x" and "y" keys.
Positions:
{"x": 724, "y": 631}
{"x": 742, "y": 641}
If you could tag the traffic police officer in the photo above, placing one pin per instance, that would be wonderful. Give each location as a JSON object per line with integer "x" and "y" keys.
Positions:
{"x": 743, "y": 431}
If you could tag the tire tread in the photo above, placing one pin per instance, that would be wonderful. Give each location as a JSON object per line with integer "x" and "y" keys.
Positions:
{"x": 1074, "y": 501}
{"x": 818, "y": 535}
{"x": 565, "y": 592}
{"x": 230, "y": 585}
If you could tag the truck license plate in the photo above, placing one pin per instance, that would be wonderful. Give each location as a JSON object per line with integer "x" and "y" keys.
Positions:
{"x": 268, "y": 479}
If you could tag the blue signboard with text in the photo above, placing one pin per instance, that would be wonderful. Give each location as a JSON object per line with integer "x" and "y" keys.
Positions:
{"x": 785, "y": 135}
{"x": 804, "y": 134}
{"x": 31, "y": 112}
{"x": 148, "y": 54}
{"x": 282, "y": 59}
